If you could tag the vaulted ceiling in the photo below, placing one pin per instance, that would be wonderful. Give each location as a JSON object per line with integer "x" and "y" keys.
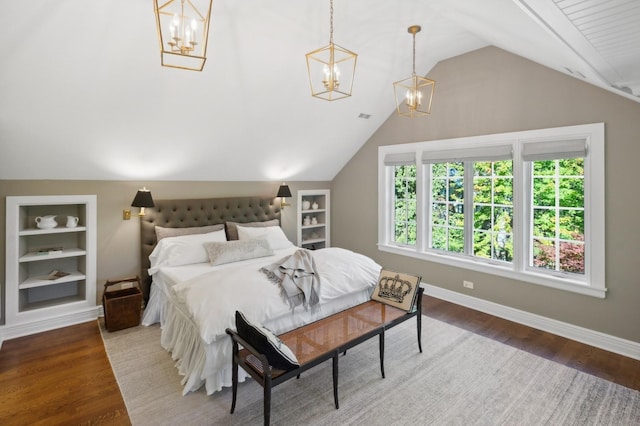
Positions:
{"x": 83, "y": 95}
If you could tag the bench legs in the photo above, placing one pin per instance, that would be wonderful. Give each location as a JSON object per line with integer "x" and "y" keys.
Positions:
{"x": 234, "y": 383}
{"x": 381, "y": 335}
{"x": 335, "y": 379}
{"x": 419, "y": 319}
{"x": 267, "y": 400}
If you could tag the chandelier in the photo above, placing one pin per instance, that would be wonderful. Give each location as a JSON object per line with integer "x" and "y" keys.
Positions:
{"x": 414, "y": 94}
{"x": 183, "y": 29}
{"x": 331, "y": 69}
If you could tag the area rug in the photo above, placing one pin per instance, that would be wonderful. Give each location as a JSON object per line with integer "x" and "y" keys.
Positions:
{"x": 460, "y": 379}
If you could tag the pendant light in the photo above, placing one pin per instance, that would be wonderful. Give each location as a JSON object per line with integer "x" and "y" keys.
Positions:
{"x": 331, "y": 69}
{"x": 414, "y": 94}
{"x": 183, "y": 31}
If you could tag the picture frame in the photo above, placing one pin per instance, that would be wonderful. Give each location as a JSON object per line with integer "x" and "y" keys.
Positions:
{"x": 397, "y": 289}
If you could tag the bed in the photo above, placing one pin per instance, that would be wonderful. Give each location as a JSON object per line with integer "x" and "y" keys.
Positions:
{"x": 195, "y": 277}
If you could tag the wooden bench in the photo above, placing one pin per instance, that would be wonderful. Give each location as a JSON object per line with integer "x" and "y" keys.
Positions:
{"x": 320, "y": 341}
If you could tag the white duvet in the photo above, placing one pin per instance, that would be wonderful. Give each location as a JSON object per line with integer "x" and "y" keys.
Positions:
{"x": 212, "y": 298}
{"x": 195, "y": 303}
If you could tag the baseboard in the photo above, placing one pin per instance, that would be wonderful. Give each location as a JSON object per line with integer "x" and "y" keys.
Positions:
{"x": 8, "y": 332}
{"x": 600, "y": 340}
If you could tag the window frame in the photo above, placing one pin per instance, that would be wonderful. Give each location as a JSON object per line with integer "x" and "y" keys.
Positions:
{"x": 593, "y": 281}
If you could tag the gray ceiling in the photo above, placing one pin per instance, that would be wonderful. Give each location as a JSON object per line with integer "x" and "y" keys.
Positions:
{"x": 83, "y": 95}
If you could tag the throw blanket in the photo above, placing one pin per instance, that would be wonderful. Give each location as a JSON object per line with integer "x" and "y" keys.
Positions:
{"x": 297, "y": 277}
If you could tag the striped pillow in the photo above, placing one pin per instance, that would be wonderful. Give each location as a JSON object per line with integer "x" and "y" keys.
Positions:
{"x": 278, "y": 354}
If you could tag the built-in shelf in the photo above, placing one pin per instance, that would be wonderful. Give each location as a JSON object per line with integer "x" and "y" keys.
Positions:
{"x": 41, "y": 281}
{"x": 33, "y": 302}
{"x": 57, "y": 230}
{"x": 35, "y": 256}
{"x": 48, "y": 303}
{"x": 313, "y": 218}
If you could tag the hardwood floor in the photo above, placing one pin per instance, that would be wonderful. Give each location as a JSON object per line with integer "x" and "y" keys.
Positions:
{"x": 60, "y": 377}
{"x": 63, "y": 377}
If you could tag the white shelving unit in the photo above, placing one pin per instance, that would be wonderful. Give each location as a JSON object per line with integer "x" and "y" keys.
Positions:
{"x": 314, "y": 219}
{"x": 34, "y": 302}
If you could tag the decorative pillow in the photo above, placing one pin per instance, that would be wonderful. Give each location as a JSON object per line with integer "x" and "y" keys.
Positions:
{"x": 234, "y": 251}
{"x": 273, "y": 234}
{"x": 278, "y": 354}
{"x": 184, "y": 250}
{"x": 162, "y": 232}
{"x": 232, "y": 232}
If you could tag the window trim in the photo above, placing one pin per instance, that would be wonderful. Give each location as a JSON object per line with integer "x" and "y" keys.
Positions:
{"x": 593, "y": 283}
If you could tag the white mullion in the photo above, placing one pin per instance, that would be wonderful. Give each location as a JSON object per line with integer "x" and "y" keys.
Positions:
{"x": 556, "y": 227}
{"x": 589, "y": 222}
{"x": 522, "y": 211}
{"x": 385, "y": 214}
{"x": 468, "y": 208}
{"x": 493, "y": 178}
{"x": 447, "y": 202}
{"x": 423, "y": 214}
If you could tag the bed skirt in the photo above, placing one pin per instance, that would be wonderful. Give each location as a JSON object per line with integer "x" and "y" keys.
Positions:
{"x": 199, "y": 364}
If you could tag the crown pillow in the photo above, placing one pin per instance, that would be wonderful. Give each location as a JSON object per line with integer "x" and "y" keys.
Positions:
{"x": 232, "y": 227}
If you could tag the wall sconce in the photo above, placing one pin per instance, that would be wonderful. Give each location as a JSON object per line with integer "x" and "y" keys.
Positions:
{"x": 143, "y": 200}
{"x": 284, "y": 192}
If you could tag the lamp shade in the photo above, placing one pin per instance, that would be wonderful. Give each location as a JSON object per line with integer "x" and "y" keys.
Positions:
{"x": 284, "y": 191}
{"x": 142, "y": 199}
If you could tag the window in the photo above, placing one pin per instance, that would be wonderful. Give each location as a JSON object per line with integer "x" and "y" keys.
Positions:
{"x": 405, "y": 204}
{"x": 404, "y": 195}
{"x": 493, "y": 210}
{"x": 557, "y": 200}
{"x": 447, "y": 206}
{"x": 527, "y": 205}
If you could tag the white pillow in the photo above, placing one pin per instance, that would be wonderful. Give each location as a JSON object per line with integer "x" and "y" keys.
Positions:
{"x": 232, "y": 227}
{"x": 183, "y": 250}
{"x": 273, "y": 234}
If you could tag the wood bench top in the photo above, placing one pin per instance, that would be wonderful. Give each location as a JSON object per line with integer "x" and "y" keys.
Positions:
{"x": 314, "y": 340}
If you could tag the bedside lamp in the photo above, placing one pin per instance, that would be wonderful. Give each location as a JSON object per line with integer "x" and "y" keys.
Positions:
{"x": 142, "y": 199}
{"x": 284, "y": 192}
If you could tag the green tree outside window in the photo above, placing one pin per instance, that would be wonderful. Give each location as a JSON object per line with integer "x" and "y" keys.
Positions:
{"x": 405, "y": 214}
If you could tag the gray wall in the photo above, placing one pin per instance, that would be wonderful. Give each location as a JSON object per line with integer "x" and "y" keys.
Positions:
{"x": 119, "y": 240}
{"x": 491, "y": 91}
{"x": 482, "y": 92}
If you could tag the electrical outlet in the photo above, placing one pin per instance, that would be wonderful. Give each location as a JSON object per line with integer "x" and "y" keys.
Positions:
{"x": 467, "y": 284}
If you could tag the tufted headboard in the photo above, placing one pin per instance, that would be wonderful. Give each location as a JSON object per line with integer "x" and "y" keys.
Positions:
{"x": 198, "y": 212}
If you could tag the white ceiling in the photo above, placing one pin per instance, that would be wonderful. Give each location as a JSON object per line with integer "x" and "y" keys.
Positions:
{"x": 83, "y": 95}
